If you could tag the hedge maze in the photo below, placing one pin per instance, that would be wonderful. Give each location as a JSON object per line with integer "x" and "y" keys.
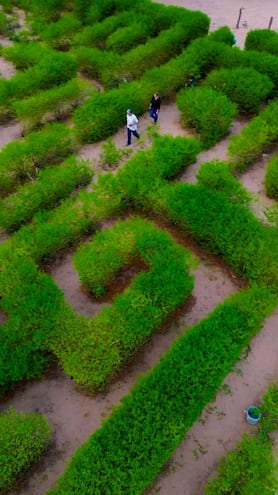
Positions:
{"x": 129, "y": 51}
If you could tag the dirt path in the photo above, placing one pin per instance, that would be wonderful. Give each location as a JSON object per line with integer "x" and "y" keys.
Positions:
{"x": 75, "y": 416}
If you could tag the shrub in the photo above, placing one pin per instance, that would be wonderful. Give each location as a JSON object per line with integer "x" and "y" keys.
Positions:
{"x": 244, "y": 86}
{"x": 210, "y": 113}
{"x": 217, "y": 176}
{"x": 24, "y": 437}
{"x": 128, "y": 37}
{"x": 118, "y": 331}
{"x": 254, "y": 139}
{"x": 7, "y": 23}
{"x": 226, "y": 228}
{"x": 46, "y": 11}
{"x": 51, "y": 185}
{"x": 53, "y": 103}
{"x": 93, "y": 122}
{"x": 271, "y": 178}
{"x": 223, "y": 35}
{"x": 24, "y": 55}
{"x": 95, "y": 63}
{"x": 97, "y": 34}
{"x": 53, "y": 69}
{"x": 20, "y": 159}
{"x": 58, "y": 35}
{"x": 32, "y": 301}
{"x": 262, "y": 40}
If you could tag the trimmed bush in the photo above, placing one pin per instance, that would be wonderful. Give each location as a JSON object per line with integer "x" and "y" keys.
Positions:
{"x": 19, "y": 160}
{"x": 94, "y": 351}
{"x": 254, "y": 139}
{"x": 128, "y": 37}
{"x": 244, "y": 86}
{"x": 262, "y": 40}
{"x": 51, "y": 185}
{"x": 53, "y": 69}
{"x": 223, "y": 34}
{"x": 24, "y": 55}
{"x": 46, "y": 11}
{"x": 271, "y": 178}
{"x": 24, "y": 438}
{"x": 210, "y": 113}
{"x": 96, "y": 35}
{"x": 55, "y": 103}
{"x": 93, "y": 123}
{"x": 58, "y": 35}
{"x": 96, "y": 63}
{"x": 32, "y": 301}
{"x": 216, "y": 175}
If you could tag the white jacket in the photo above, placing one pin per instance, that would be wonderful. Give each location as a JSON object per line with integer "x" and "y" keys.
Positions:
{"x": 131, "y": 122}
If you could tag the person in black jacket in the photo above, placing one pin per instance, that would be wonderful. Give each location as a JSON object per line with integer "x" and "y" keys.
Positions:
{"x": 154, "y": 106}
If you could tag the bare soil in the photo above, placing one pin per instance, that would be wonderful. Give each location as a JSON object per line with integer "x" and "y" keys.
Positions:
{"x": 75, "y": 416}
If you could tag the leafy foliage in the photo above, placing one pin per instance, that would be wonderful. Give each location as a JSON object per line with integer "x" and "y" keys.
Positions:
{"x": 244, "y": 86}
{"x": 263, "y": 40}
{"x": 51, "y": 185}
{"x": 24, "y": 437}
{"x": 209, "y": 112}
{"x": 271, "y": 178}
{"x": 217, "y": 175}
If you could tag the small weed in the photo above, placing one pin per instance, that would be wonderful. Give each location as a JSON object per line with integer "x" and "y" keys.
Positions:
{"x": 210, "y": 409}
{"x": 152, "y": 130}
{"x": 238, "y": 371}
{"x": 220, "y": 414}
{"x": 226, "y": 389}
{"x": 111, "y": 156}
{"x": 201, "y": 450}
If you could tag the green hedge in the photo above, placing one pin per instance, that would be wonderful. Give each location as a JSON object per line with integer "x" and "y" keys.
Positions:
{"x": 271, "y": 178}
{"x": 93, "y": 351}
{"x": 138, "y": 438}
{"x": 32, "y": 301}
{"x": 208, "y": 111}
{"x": 58, "y": 35}
{"x": 53, "y": 69}
{"x": 19, "y": 160}
{"x": 216, "y": 175}
{"x": 96, "y": 34}
{"x": 57, "y": 102}
{"x": 222, "y": 34}
{"x": 127, "y": 37}
{"x": 225, "y": 228}
{"x": 24, "y": 438}
{"x": 93, "y": 123}
{"x": 262, "y": 40}
{"x": 24, "y": 55}
{"x": 50, "y": 186}
{"x": 255, "y": 138}
{"x": 244, "y": 86}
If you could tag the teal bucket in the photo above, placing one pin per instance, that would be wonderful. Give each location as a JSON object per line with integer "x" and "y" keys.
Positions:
{"x": 253, "y": 415}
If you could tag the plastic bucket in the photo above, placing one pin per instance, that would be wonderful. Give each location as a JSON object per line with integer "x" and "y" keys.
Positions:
{"x": 253, "y": 415}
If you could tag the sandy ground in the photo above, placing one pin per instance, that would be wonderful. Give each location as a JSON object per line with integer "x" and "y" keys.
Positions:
{"x": 75, "y": 416}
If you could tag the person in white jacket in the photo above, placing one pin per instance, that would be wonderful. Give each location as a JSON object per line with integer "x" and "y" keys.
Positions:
{"x": 132, "y": 125}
